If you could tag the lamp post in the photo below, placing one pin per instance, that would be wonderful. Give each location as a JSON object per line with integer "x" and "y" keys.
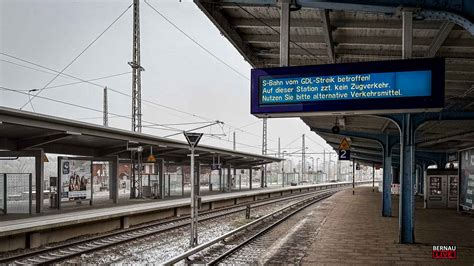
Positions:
{"x": 193, "y": 139}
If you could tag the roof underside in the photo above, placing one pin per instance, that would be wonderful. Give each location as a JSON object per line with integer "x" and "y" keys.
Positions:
{"x": 357, "y": 36}
{"x": 21, "y": 130}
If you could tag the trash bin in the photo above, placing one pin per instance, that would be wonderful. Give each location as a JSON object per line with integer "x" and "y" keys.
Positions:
{"x": 53, "y": 200}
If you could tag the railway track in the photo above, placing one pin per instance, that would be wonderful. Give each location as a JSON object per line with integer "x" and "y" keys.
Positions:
{"x": 218, "y": 249}
{"x": 65, "y": 251}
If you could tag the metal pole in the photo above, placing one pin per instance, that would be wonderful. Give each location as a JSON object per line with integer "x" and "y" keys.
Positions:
{"x": 373, "y": 177}
{"x": 193, "y": 240}
{"x": 279, "y": 164}
{"x": 264, "y": 151}
{"x": 353, "y": 175}
{"x": 136, "y": 71}
{"x": 234, "y": 140}
{"x": 387, "y": 180}
{"x": 106, "y": 109}
{"x": 324, "y": 164}
{"x": 302, "y": 160}
{"x": 407, "y": 149}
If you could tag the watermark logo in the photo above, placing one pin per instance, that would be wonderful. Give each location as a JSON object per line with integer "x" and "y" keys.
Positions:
{"x": 444, "y": 252}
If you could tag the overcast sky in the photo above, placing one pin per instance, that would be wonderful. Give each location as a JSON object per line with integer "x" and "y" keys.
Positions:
{"x": 178, "y": 73}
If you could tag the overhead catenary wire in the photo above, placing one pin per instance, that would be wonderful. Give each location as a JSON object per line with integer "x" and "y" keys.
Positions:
{"x": 80, "y": 106}
{"x": 324, "y": 148}
{"x": 102, "y": 86}
{"x": 153, "y": 104}
{"x": 79, "y": 82}
{"x": 293, "y": 141}
{"x": 77, "y": 57}
{"x": 100, "y": 111}
{"x": 196, "y": 42}
{"x": 27, "y": 67}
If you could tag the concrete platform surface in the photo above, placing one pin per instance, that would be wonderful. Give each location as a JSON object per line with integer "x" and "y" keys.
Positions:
{"x": 17, "y": 226}
{"x": 354, "y": 232}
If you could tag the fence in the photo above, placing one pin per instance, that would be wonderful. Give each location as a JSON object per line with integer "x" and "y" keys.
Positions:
{"x": 16, "y": 193}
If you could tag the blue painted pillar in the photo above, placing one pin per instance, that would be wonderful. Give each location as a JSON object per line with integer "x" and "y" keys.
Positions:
{"x": 387, "y": 181}
{"x": 406, "y": 210}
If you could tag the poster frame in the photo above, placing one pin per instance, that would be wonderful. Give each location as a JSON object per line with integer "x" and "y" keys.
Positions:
{"x": 60, "y": 159}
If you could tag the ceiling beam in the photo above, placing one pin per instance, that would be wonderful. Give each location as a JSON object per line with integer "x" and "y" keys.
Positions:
{"x": 439, "y": 39}
{"x": 8, "y": 144}
{"x": 445, "y": 139}
{"x": 167, "y": 151}
{"x": 407, "y": 34}
{"x": 327, "y": 31}
{"x": 354, "y": 24}
{"x": 385, "y": 125}
{"x": 112, "y": 150}
{"x": 24, "y": 144}
{"x": 222, "y": 23}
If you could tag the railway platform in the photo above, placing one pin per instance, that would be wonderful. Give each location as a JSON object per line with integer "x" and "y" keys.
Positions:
{"x": 355, "y": 232}
{"x": 40, "y": 230}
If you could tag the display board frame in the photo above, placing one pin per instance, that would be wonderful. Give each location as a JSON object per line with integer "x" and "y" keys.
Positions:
{"x": 461, "y": 180}
{"x": 61, "y": 159}
{"x": 434, "y": 102}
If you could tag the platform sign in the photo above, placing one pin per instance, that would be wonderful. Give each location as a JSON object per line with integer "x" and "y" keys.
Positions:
{"x": 344, "y": 150}
{"x": 396, "y": 86}
{"x": 344, "y": 155}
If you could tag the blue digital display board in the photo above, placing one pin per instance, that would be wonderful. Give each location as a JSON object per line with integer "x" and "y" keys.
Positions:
{"x": 367, "y": 87}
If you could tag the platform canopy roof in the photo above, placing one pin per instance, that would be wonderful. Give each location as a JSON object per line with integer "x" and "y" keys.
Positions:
{"x": 324, "y": 32}
{"x": 20, "y": 130}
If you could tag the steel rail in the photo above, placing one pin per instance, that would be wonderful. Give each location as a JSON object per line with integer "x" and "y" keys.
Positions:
{"x": 52, "y": 255}
{"x": 197, "y": 249}
{"x": 266, "y": 229}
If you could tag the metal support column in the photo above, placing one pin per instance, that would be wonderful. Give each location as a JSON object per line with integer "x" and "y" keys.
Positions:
{"x": 229, "y": 178}
{"x": 407, "y": 149}
{"x": 387, "y": 180}
{"x": 114, "y": 169}
{"x": 425, "y": 184}
{"x": 221, "y": 188}
{"x": 373, "y": 177}
{"x": 161, "y": 178}
{"x": 235, "y": 177}
{"x": 353, "y": 176}
{"x": 39, "y": 177}
{"x": 406, "y": 210}
{"x": 250, "y": 178}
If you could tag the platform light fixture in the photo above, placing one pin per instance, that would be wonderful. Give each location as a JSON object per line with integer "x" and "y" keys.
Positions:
{"x": 151, "y": 158}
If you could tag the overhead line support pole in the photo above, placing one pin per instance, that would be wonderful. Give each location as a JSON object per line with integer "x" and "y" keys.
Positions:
{"x": 106, "y": 109}
{"x": 136, "y": 71}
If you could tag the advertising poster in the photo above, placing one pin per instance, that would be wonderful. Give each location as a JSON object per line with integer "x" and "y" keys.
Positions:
{"x": 466, "y": 188}
{"x": 75, "y": 179}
